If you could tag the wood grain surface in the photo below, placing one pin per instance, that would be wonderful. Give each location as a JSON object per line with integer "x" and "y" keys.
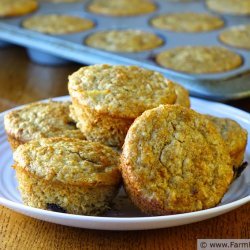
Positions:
{"x": 22, "y": 81}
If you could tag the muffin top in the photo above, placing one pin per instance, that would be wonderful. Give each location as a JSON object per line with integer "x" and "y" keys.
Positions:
{"x": 121, "y": 7}
{"x": 181, "y": 1}
{"x": 124, "y": 40}
{"x": 17, "y": 7}
{"x": 175, "y": 160}
{"x": 199, "y": 59}
{"x": 235, "y": 7}
{"x": 120, "y": 91}
{"x": 41, "y": 120}
{"x": 62, "y": 1}
{"x": 187, "y": 22}
{"x": 237, "y": 36}
{"x": 57, "y": 24}
{"x": 71, "y": 161}
{"x": 232, "y": 133}
{"x": 182, "y": 96}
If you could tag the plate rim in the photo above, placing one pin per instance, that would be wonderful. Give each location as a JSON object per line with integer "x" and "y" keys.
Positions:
{"x": 145, "y": 219}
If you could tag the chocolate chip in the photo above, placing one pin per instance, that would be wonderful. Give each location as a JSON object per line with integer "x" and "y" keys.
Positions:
{"x": 55, "y": 208}
{"x": 71, "y": 123}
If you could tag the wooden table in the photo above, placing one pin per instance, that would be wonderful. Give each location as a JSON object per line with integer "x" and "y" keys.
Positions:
{"x": 22, "y": 81}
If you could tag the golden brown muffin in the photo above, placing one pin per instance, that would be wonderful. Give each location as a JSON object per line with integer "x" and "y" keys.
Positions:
{"x": 181, "y": 1}
{"x": 62, "y": 1}
{"x": 121, "y": 8}
{"x": 67, "y": 175}
{"x": 9, "y": 8}
{"x": 175, "y": 161}
{"x": 238, "y": 36}
{"x": 124, "y": 40}
{"x": 234, "y": 136}
{"x": 199, "y": 59}
{"x": 40, "y": 120}
{"x": 182, "y": 96}
{"x": 57, "y": 24}
{"x": 106, "y": 99}
{"x": 235, "y": 7}
{"x": 187, "y": 22}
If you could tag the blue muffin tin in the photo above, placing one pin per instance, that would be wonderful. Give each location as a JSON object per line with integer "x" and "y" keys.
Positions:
{"x": 59, "y": 49}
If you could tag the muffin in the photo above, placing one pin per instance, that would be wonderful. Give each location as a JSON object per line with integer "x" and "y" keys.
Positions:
{"x": 55, "y": 24}
{"x": 187, "y": 22}
{"x": 175, "y": 161}
{"x": 237, "y": 36}
{"x": 40, "y": 120}
{"x": 182, "y": 96}
{"x": 124, "y": 40}
{"x": 62, "y": 1}
{"x": 234, "y": 7}
{"x": 17, "y": 7}
{"x": 106, "y": 99}
{"x": 199, "y": 59}
{"x": 181, "y": 1}
{"x": 120, "y": 8}
{"x": 67, "y": 175}
{"x": 234, "y": 136}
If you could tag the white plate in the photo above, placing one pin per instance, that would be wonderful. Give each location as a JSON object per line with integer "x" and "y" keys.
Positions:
{"x": 127, "y": 217}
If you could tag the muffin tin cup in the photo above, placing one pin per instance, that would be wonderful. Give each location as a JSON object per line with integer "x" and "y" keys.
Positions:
{"x": 45, "y": 58}
{"x": 232, "y": 84}
{"x": 4, "y": 44}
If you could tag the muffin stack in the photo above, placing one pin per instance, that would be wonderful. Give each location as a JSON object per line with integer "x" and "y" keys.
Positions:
{"x": 106, "y": 99}
{"x": 173, "y": 159}
{"x": 57, "y": 169}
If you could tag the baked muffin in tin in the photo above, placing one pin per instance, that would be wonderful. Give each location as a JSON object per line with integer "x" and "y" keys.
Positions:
{"x": 40, "y": 120}
{"x": 175, "y": 161}
{"x": 120, "y": 8}
{"x": 61, "y": 1}
{"x": 55, "y": 24}
{"x": 233, "y": 7}
{"x": 187, "y": 22}
{"x": 106, "y": 99}
{"x": 67, "y": 175}
{"x": 199, "y": 59}
{"x": 126, "y": 41}
{"x": 237, "y": 36}
{"x": 9, "y": 8}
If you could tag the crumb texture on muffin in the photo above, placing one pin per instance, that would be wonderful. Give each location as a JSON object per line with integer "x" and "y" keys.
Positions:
{"x": 175, "y": 161}
{"x": 124, "y": 40}
{"x": 182, "y": 95}
{"x": 234, "y": 136}
{"x": 237, "y": 36}
{"x": 71, "y": 161}
{"x": 57, "y": 24}
{"x": 187, "y": 22}
{"x": 181, "y": 1}
{"x": 106, "y": 99}
{"x": 41, "y": 120}
{"x": 199, "y": 60}
{"x": 121, "y": 7}
{"x": 39, "y": 193}
{"x": 62, "y": 1}
{"x": 120, "y": 91}
{"x": 17, "y": 7}
{"x": 67, "y": 175}
{"x": 235, "y": 7}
